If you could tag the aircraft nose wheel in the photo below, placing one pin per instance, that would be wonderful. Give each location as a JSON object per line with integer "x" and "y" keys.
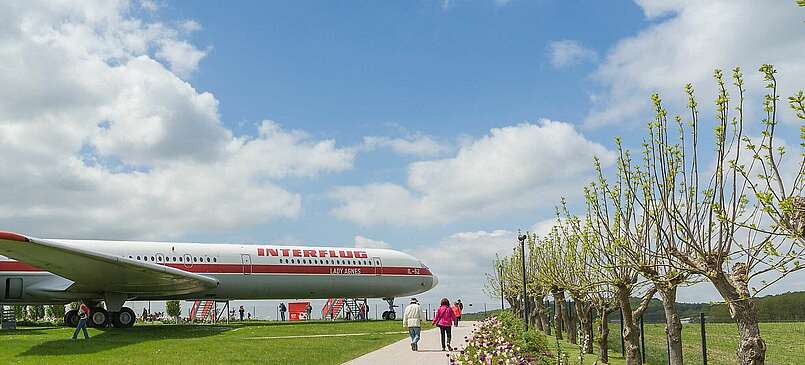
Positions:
{"x": 123, "y": 319}
{"x": 390, "y": 315}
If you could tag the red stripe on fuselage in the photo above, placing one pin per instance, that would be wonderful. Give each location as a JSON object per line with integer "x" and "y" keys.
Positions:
{"x": 11, "y": 236}
{"x": 16, "y": 266}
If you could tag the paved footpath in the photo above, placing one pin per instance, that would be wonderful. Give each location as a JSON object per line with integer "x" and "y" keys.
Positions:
{"x": 430, "y": 349}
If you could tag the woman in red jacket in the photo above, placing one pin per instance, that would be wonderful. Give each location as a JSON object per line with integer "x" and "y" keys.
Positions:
{"x": 456, "y": 312}
{"x": 444, "y": 319}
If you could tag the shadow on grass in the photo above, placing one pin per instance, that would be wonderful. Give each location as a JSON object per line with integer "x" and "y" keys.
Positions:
{"x": 112, "y": 338}
{"x": 37, "y": 331}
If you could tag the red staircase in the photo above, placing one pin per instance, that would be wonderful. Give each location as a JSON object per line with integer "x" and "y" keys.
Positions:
{"x": 332, "y": 308}
{"x": 204, "y": 307}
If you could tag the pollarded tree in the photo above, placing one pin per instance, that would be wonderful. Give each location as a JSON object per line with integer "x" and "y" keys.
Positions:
{"x": 650, "y": 242}
{"x": 612, "y": 218}
{"x": 536, "y": 288}
{"x": 732, "y": 225}
{"x": 551, "y": 270}
{"x": 575, "y": 275}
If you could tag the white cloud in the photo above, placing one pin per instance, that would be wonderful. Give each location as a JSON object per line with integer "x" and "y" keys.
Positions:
{"x": 512, "y": 168}
{"x": 569, "y": 52}
{"x": 99, "y": 139}
{"x": 181, "y": 55}
{"x": 363, "y": 242}
{"x": 461, "y": 261}
{"x": 695, "y": 38}
{"x": 416, "y": 145}
{"x": 149, "y": 5}
{"x": 190, "y": 26}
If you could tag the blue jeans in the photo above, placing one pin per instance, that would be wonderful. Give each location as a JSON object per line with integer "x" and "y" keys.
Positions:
{"x": 414, "y": 333}
{"x": 82, "y": 325}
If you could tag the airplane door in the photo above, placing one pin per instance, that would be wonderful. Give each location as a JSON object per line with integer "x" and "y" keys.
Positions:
{"x": 13, "y": 288}
{"x": 246, "y": 259}
{"x": 378, "y": 266}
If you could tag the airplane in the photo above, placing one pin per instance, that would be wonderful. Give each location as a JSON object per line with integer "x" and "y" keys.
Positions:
{"x": 59, "y": 271}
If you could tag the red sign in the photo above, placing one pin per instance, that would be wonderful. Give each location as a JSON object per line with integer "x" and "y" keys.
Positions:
{"x": 297, "y": 311}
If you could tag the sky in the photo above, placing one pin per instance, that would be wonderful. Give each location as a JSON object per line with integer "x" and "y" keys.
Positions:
{"x": 438, "y": 128}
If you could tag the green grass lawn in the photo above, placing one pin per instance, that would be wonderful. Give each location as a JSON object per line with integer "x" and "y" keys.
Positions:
{"x": 785, "y": 341}
{"x": 199, "y": 344}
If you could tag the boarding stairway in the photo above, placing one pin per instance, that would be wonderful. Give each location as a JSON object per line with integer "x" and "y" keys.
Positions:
{"x": 8, "y": 320}
{"x": 208, "y": 310}
{"x": 337, "y": 308}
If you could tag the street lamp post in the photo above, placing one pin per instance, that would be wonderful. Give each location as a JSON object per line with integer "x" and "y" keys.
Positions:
{"x": 500, "y": 268}
{"x": 522, "y": 238}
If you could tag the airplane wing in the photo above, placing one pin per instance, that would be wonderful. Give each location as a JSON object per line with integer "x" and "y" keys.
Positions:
{"x": 94, "y": 272}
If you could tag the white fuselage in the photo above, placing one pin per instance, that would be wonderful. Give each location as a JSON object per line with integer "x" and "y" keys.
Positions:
{"x": 251, "y": 271}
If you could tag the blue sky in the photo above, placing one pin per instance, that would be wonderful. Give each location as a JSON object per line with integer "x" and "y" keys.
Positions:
{"x": 434, "y": 127}
{"x": 395, "y": 68}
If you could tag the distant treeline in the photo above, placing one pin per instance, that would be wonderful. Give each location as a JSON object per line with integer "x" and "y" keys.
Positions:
{"x": 786, "y": 307}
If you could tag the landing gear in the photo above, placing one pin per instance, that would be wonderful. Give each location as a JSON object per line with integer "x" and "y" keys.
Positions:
{"x": 390, "y": 314}
{"x": 71, "y": 318}
{"x": 98, "y": 317}
{"x": 123, "y": 319}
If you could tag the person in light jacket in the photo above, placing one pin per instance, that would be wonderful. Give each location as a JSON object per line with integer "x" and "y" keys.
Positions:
{"x": 444, "y": 319}
{"x": 412, "y": 319}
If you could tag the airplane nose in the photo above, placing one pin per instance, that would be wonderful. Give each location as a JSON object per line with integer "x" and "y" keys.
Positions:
{"x": 434, "y": 281}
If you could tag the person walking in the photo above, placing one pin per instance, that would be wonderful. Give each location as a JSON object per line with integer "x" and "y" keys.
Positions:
{"x": 362, "y": 312}
{"x": 283, "y": 309}
{"x": 456, "y": 312}
{"x": 83, "y": 315}
{"x": 444, "y": 318}
{"x": 242, "y": 311}
{"x": 412, "y": 319}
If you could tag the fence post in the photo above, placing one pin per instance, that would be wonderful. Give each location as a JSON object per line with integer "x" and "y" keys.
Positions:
{"x": 623, "y": 346}
{"x": 642, "y": 341}
{"x": 704, "y": 339}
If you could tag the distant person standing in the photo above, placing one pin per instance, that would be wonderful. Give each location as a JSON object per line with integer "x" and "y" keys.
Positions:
{"x": 412, "y": 319}
{"x": 444, "y": 318}
{"x": 362, "y": 312}
{"x": 309, "y": 311}
{"x": 242, "y": 311}
{"x": 83, "y": 315}
{"x": 283, "y": 309}
{"x": 145, "y": 314}
{"x": 349, "y": 313}
{"x": 456, "y": 312}
{"x": 461, "y": 305}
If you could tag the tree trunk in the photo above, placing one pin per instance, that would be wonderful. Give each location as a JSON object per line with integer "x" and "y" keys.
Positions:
{"x": 547, "y": 319}
{"x": 559, "y": 304}
{"x": 583, "y": 314}
{"x": 631, "y": 337}
{"x": 673, "y": 326}
{"x": 735, "y": 291}
{"x": 539, "y": 310}
{"x": 603, "y": 336}
{"x": 570, "y": 324}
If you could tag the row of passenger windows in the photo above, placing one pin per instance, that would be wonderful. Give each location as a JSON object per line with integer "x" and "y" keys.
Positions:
{"x": 326, "y": 262}
{"x": 173, "y": 259}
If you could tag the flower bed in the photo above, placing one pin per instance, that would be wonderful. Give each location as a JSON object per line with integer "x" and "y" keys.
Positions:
{"x": 501, "y": 340}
